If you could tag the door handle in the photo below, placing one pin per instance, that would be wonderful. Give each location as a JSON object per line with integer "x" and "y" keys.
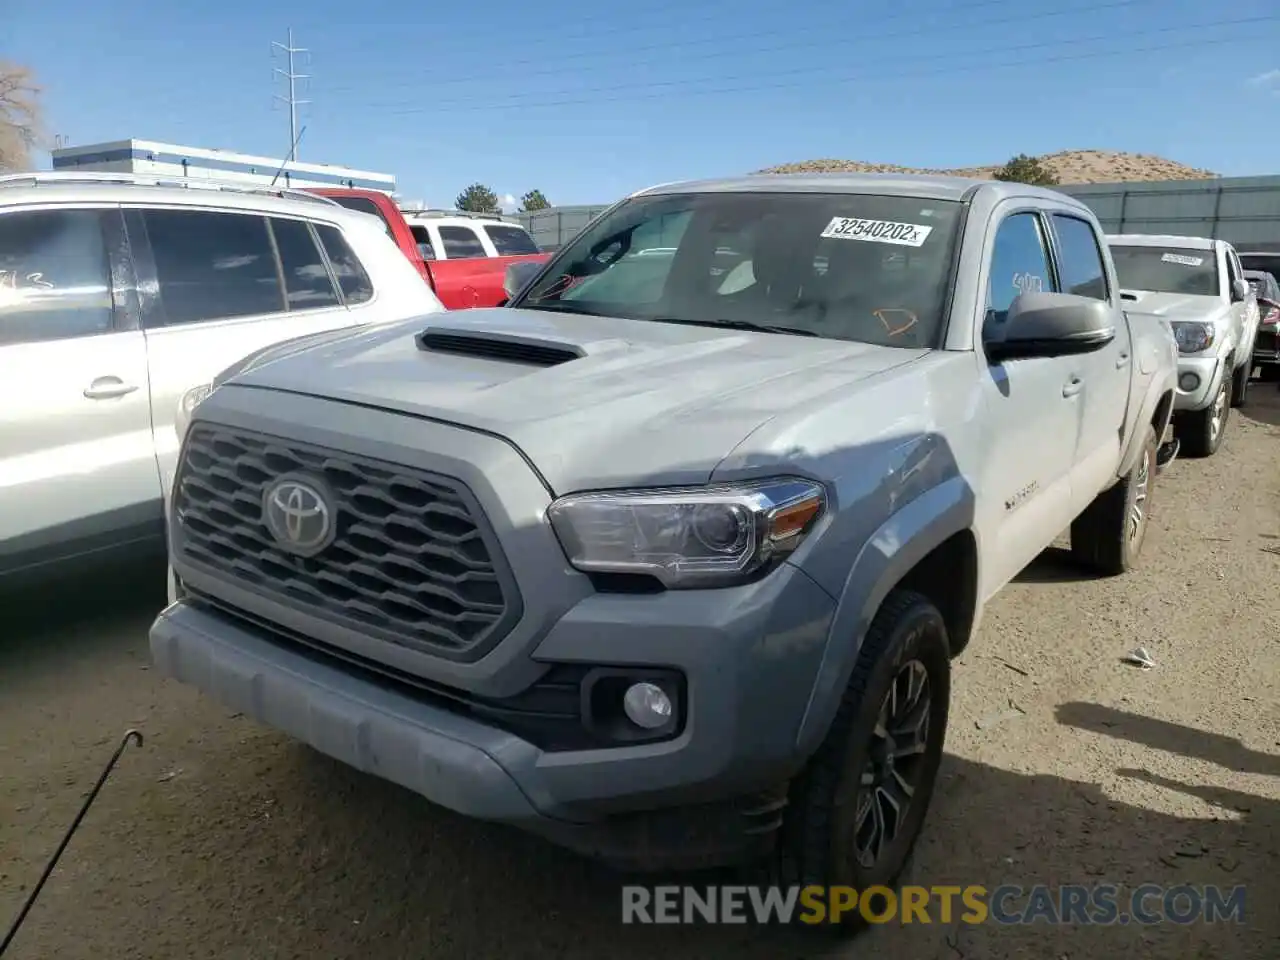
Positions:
{"x": 108, "y": 388}
{"x": 1072, "y": 387}
{"x": 1122, "y": 360}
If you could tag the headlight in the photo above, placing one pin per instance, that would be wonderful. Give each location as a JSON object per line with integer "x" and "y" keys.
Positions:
{"x": 186, "y": 406}
{"x": 1192, "y": 336}
{"x": 688, "y": 536}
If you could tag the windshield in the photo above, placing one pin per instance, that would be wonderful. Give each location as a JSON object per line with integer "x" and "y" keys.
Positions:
{"x": 1167, "y": 270}
{"x": 874, "y": 269}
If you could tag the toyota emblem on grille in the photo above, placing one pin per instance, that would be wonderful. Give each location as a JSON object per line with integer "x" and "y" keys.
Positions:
{"x": 298, "y": 514}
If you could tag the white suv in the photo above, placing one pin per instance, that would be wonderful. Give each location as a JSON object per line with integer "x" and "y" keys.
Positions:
{"x": 119, "y": 295}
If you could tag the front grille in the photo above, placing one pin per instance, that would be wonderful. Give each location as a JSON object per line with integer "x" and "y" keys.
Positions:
{"x": 408, "y": 562}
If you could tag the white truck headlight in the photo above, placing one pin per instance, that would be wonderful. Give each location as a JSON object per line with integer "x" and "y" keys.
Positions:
{"x": 186, "y": 406}
{"x": 1192, "y": 336}
{"x": 688, "y": 536}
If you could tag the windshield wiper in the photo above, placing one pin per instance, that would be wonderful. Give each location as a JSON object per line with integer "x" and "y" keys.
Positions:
{"x": 736, "y": 325}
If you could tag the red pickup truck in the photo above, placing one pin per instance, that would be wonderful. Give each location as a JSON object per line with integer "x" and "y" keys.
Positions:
{"x": 462, "y": 256}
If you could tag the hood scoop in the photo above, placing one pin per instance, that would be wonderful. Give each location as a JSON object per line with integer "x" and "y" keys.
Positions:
{"x": 499, "y": 346}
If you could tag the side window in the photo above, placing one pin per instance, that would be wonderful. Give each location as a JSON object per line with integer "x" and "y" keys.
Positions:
{"x": 213, "y": 266}
{"x": 355, "y": 284}
{"x": 461, "y": 243}
{"x": 1019, "y": 264}
{"x": 422, "y": 237}
{"x": 1080, "y": 262}
{"x": 54, "y": 280}
{"x": 511, "y": 241}
{"x": 306, "y": 279}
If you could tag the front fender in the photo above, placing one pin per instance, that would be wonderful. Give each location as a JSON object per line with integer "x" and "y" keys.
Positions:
{"x": 889, "y": 554}
{"x": 1145, "y": 414}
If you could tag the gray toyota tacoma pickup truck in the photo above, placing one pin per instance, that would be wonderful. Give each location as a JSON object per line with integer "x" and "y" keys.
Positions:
{"x": 667, "y": 558}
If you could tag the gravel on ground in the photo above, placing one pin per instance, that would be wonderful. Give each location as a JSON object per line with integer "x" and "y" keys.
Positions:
{"x": 220, "y": 838}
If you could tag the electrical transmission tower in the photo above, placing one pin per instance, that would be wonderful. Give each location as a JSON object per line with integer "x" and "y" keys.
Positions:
{"x": 292, "y": 99}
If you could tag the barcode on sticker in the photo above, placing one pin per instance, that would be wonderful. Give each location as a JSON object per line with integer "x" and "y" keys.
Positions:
{"x": 1183, "y": 259}
{"x": 877, "y": 231}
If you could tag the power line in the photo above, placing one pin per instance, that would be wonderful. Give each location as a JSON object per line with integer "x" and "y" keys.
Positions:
{"x": 776, "y": 48}
{"x": 855, "y": 23}
{"x": 292, "y": 99}
{"x": 878, "y": 76}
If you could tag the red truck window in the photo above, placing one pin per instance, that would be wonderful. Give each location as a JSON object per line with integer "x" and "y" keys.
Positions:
{"x": 461, "y": 243}
{"x": 364, "y": 205}
{"x": 511, "y": 241}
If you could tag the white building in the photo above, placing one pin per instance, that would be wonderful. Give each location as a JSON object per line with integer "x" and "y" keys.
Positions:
{"x": 171, "y": 159}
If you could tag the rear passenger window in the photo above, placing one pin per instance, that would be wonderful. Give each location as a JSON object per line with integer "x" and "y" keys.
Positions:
{"x": 306, "y": 278}
{"x": 354, "y": 282}
{"x": 54, "y": 280}
{"x": 511, "y": 241}
{"x": 1019, "y": 264}
{"x": 1079, "y": 259}
{"x": 461, "y": 243}
{"x": 213, "y": 266}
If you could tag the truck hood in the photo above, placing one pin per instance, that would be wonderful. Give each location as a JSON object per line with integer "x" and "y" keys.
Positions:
{"x": 593, "y": 402}
{"x": 1173, "y": 306}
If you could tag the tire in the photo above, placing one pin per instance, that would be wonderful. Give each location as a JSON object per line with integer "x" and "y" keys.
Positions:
{"x": 1269, "y": 372}
{"x": 907, "y": 643}
{"x": 1201, "y": 431}
{"x": 1240, "y": 384}
{"x": 1109, "y": 535}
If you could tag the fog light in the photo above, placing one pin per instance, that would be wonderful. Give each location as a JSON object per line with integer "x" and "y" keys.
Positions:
{"x": 647, "y": 705}
{"x": 1188, "y": 382}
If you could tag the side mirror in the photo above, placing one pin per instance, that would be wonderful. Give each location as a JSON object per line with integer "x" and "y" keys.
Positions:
{"x": 1239, "y": 290}
{"x": 1051, "y": 325}
{"x": 518, "y": 276}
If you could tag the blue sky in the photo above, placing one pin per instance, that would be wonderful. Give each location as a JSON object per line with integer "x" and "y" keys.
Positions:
{"x": 587, "y": 101}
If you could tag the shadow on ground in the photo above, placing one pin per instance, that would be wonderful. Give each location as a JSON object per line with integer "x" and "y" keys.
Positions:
{"x": 269, "y": 849}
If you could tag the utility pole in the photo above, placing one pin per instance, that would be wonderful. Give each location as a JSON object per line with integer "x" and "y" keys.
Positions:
{"x": 292, "y": 99}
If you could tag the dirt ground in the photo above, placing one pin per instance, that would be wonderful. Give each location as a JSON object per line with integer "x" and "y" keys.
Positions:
{"x": 222, "y": 839}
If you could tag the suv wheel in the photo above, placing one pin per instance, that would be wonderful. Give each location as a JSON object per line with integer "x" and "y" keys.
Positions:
{"x": 1108, "y": 536}
{"x": 857, "y": 809}
{"x": 1201, "y": 430}
{"x": 1240, "y": 384}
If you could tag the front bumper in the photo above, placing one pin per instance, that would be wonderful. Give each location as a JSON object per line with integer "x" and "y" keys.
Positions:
{"x": 1198, "y": 381}
{"x": 713, "y": 794}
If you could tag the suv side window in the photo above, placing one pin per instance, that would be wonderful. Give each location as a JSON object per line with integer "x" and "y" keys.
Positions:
{"x": 1079, "y": 258}
{"x": 461, "y": 243}
{"x": 306, "y": 279}
{"x": 213, "y": 266}
{"x": 422, "y": 237}
{"x": 55, "y": 282}
{"x": 355, "y": 283}
{"x": 1019, "y": 264}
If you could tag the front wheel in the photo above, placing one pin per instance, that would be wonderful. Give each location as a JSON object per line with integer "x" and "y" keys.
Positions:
{"x": 1201, "y": 431}
{"x": 858, "y": 808}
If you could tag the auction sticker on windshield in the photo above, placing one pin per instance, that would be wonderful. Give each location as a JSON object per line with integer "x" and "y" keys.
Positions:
{"x": 877, "y": 231}
{"x": 1182, "y": 259}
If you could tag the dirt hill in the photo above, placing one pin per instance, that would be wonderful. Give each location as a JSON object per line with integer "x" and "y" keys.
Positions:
{"x": 1070, "y": 166}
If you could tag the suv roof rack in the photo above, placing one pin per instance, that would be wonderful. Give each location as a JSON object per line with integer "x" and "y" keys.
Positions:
{"x": 53, "y": 177}
{"x": 416, "y": 212}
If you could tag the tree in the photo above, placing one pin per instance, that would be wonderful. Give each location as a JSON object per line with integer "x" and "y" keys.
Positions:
{"x": 20, "y": 128}
{"x": 1025, "y": 169}
{"x": 534, "y": 200}
{"x": 477, "y": 198}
